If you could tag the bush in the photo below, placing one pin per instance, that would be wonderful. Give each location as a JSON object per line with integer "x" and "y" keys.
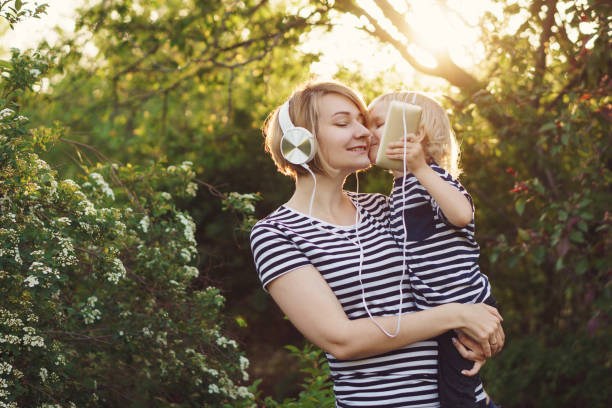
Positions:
{"x": 97, "y": 302}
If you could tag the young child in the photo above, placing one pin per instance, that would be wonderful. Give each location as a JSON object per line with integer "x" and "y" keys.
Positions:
{"x": 432, "y": 214}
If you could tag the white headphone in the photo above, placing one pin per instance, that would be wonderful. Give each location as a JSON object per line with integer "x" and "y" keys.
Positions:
{"x": 298, "y": 145}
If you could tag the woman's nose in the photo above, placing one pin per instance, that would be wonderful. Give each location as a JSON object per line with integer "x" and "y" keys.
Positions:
{"x": 362, "y": 131}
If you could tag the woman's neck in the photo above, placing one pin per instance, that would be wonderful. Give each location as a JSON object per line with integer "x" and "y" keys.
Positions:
{"x": 330, "y": 204}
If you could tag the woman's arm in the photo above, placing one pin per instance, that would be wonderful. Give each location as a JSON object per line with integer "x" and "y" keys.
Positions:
{"x": 309, "y": 303}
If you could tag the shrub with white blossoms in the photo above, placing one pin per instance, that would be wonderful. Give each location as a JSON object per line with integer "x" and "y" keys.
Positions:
{"x": 100, "y": 299}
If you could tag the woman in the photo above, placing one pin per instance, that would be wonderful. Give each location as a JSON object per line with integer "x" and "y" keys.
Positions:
{"x": 329, "y": 261}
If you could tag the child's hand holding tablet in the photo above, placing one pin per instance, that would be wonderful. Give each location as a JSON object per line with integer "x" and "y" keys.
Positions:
{"x": 402, "y": 119}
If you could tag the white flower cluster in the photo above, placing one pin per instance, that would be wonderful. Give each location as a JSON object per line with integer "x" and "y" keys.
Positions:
{"x": 31, "y": 281}
{"x": 69, "y": 185}
{"x": 211, "y": 371}
{"x": 166, "y": 196}
{"x": 37, "y": 253}
{"x": 244, "y": 364}
{"x": 10, "y": 236}
{"x": 41, "y": 164}
{"x": 5, "y": 368}
{"x": 86, "y": 207}
{"x": 52, "y": 188}
{"x": 99, "y": 180}
{"x": 162, "y": 338}
{"x": 42, "y": 269}
{"x": 120, "y": 229}
{"x": 218, "y": 299}
{"x": 245, "y": 200}
{"x": 186, "y": 169}
{"x": 89, "y": 312}
{"x": 65, "y": 257}
{"x": 63, "y": 221}
{"x": 146, "y": 331}
{"x": 10, "y": 319}
{"x": 117, "y": 271}
{"x": 224, "y": 342}
{"x": 185, "y": 254}
{"x": 227, "y": 387}
{"x": 30, "y": 338}
{"x": 44, "y": 374}
{"x": 145, "y": 223}
{"x": 4, "y": 393}
{"x": 47, "y": 405}
{"x": 189, "y": 227}
{"x": 6, "y": 112}
{"x": 61, "y": 360}
{"x": 192, "y": 189}
{"x": 191, "y": 272}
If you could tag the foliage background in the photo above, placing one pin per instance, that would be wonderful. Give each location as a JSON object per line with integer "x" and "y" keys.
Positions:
{"x": 174, "y": 98}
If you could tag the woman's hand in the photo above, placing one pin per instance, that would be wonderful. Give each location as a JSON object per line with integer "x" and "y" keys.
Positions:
{"x": 471, "y": 350}
{"x": 482, "y": 323}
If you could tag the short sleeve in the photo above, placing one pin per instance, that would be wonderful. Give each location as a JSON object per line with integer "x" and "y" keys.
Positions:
{"x": 455, "y": 183}
{"x": 274, "y": 253}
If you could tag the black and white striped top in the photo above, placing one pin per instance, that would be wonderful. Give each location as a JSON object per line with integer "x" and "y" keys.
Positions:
{"x": 286, "y": 240}
{"x": 443, "y": 258}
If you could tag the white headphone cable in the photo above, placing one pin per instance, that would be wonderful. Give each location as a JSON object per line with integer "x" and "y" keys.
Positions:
{"x": 361, "y": 251}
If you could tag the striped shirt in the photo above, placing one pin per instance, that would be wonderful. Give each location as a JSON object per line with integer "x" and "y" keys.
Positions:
{"x": 443, "y": 258}
{"x": 287, "y": 240}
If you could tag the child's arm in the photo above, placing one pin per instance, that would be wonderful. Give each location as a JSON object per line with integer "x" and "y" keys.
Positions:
{"x": 453, "y": 203}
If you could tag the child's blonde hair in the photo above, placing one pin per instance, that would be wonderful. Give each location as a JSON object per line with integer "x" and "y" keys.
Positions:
{"x": 440, "y": 144}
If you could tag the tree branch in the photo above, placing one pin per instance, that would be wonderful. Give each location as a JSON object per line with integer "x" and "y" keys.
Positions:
{"x": 445, "y": 67}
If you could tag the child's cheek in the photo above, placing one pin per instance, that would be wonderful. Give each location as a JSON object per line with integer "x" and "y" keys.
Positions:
{"x": 373, "y": 152}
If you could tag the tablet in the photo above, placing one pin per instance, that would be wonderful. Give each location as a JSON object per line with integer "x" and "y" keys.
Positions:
{"x": 394, "y": 131}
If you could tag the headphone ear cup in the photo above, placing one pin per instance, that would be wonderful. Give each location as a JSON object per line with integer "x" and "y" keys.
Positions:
{"x": 298, "y": 145}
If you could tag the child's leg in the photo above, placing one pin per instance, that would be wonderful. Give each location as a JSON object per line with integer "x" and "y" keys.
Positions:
{"x": 455, "y": 389}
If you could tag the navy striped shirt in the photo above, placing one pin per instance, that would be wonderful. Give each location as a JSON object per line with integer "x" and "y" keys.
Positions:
{"x": 443, "y": 258}
{"x": 287, "y": 240}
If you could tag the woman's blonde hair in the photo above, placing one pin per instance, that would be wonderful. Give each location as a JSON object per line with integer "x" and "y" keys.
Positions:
{"x": 304, "y": 112}
{"x": 440, "y": 144}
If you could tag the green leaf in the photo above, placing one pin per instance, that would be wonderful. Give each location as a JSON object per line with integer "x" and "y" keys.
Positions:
{"x": 565, "y": 139}
{"x": 512, "y": 261}
{"x": 241, "y": 321}
{"x": 539, "y": 254}
{"x": 520, "y": 206}
{"x": 547, "y": 126}
{"x": 582, "y": 266}
{"x": 587, "y": 216}
{"x": 523, "y": 234}
{"x": 577, "y": 236}
{"x": 559, "y": 264}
